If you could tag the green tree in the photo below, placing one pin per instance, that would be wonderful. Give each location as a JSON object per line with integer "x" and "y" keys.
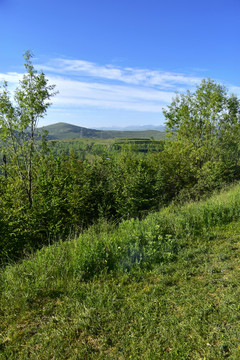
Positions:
{"x": 207, "y": 123}
{"x": 209, "y": 118}
{"x": 18, "y": 123}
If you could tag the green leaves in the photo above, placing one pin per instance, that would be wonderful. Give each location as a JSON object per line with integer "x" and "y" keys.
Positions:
{"x": 207, "y": 123}
{"x": 200, "y": 116}
{"x": 33, "y": 95}
{"x": 19, "y": 120}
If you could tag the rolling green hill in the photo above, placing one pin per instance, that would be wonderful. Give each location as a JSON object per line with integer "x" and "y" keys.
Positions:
{"x": 61, "y": 131}
{"x": 166, "y": 287}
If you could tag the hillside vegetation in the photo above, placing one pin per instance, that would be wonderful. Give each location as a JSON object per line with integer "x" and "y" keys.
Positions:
{"x": 162, "y": 288}
{"x": 62, "y": 131}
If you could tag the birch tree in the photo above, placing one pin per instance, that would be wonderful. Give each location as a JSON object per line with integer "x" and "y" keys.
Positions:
{"x": 19, "y": 119}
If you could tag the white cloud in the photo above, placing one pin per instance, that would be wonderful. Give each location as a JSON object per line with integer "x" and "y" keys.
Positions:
{"x": 11, "y": 77}
{"x": 128, "y": 75}
{"x": 235, "y": 90}
{"x": 83, "y": 83}
{"x": 86, "y": 84}
{"x": 79, "y": 93}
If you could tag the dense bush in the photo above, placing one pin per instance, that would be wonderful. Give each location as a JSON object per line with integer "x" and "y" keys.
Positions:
{"x": 70, "y": 194}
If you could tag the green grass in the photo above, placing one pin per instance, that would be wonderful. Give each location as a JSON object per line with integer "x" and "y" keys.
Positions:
{"x": 166, "y": 287}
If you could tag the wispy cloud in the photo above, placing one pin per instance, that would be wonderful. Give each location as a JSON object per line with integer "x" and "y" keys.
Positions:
{"x": 128, "y": 75}
{"x": 113, "y": 96}
{"x": 87, "y": 84}
{"x": 83, "y": 83}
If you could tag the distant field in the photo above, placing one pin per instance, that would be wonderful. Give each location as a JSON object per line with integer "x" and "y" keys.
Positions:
{"x": 87, "y": 148}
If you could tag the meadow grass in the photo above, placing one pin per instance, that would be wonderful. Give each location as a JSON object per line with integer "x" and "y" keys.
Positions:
{"x": 166, "y": 287}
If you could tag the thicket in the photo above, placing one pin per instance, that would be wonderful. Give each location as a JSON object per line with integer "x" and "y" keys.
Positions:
{"x": 45, "y": 197}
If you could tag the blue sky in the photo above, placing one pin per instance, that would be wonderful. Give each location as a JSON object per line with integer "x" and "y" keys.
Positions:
{"x": 118, "y": 63}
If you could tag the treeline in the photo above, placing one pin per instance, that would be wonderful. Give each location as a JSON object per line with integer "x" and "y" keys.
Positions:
{"x": 45, "y": 196}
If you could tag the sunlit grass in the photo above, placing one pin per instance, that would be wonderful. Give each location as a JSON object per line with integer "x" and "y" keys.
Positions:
{"x": 166, "y": 287}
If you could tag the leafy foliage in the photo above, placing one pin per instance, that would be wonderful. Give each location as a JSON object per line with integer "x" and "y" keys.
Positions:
{"x": 207, "y": 124}
{"x": 18, "y": 122}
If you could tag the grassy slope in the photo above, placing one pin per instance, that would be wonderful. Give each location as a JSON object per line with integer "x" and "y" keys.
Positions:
{"x": 163, "y": 288}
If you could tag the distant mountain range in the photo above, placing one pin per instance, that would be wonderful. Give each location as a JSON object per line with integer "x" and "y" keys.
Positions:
{"x": 62, "y": 131}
